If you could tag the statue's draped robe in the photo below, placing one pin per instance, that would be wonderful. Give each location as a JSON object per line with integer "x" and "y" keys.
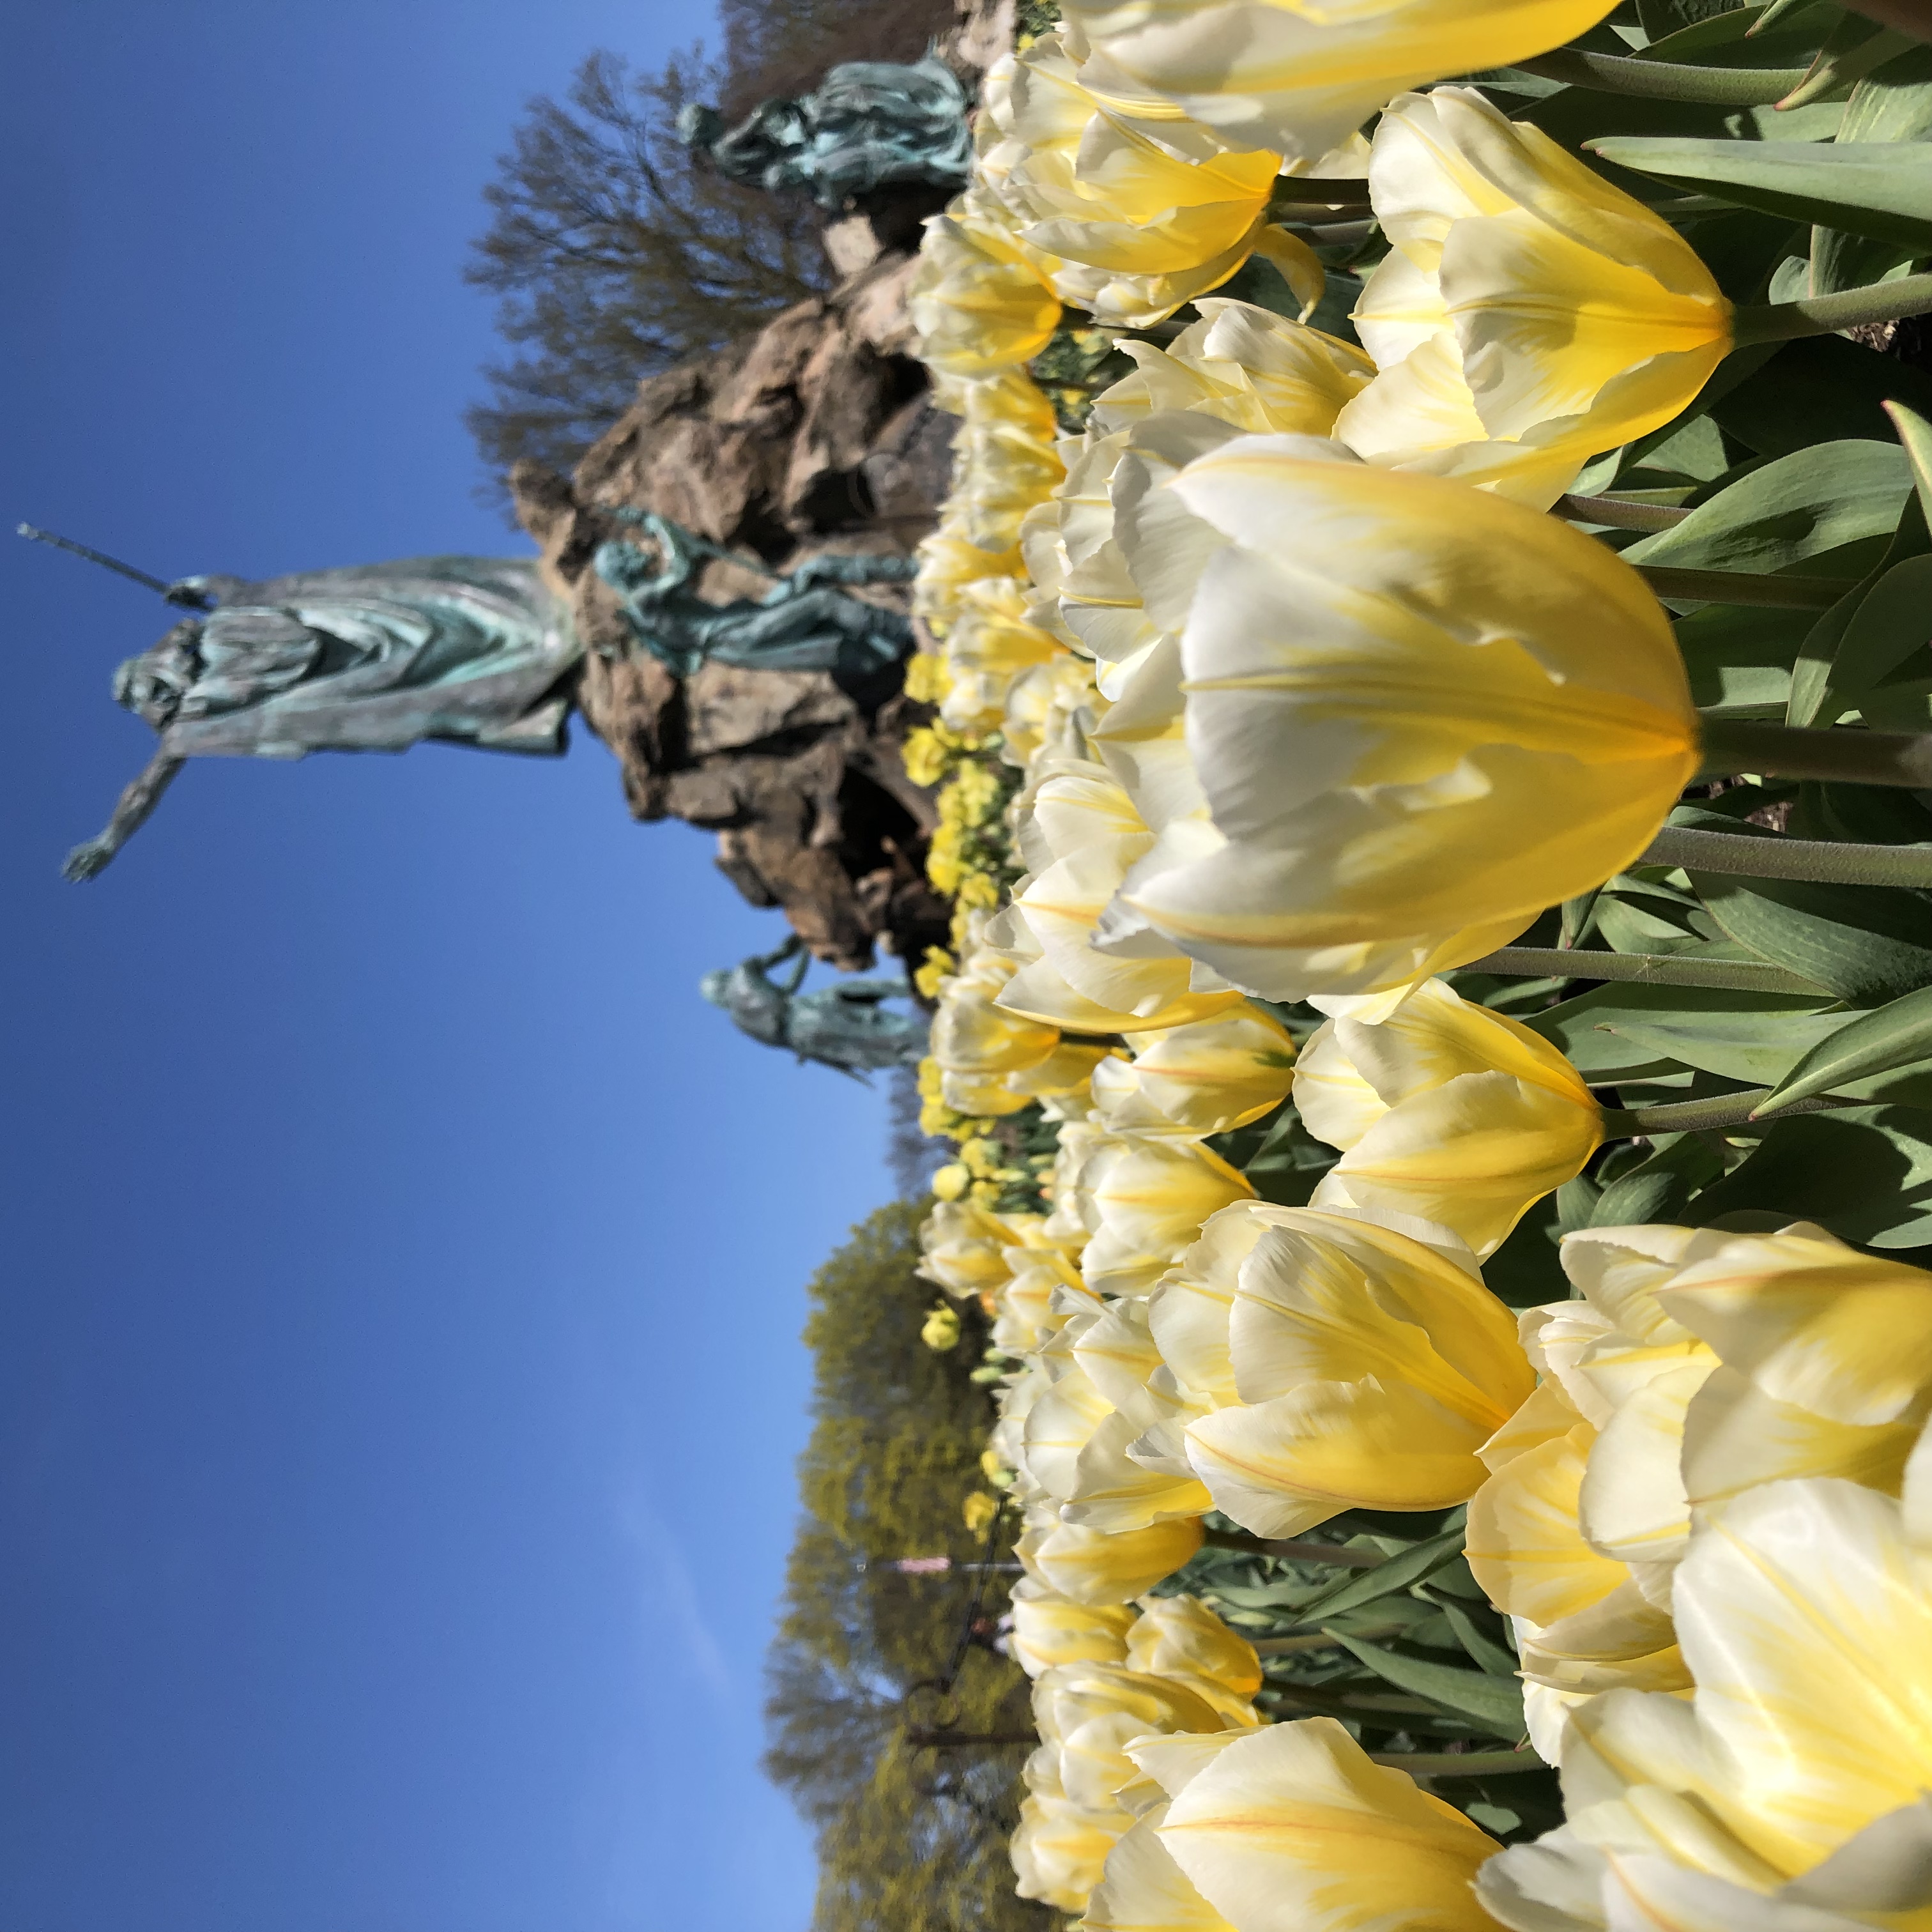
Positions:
{"x": 471, "y": 650}
{"x": 872, "y": 124}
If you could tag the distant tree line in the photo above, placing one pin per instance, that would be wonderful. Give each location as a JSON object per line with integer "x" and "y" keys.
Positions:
{"x": 910, "y": 1840}
{"x": 614, "y": 255}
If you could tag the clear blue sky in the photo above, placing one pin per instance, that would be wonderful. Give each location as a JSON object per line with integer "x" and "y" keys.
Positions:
{"x": 399, "y": 1378}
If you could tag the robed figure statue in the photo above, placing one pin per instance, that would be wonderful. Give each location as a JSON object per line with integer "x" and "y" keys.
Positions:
{"x": 468, "y": 650}
{"x": 847, "y": 1024}
{"x": 868, "y": 125}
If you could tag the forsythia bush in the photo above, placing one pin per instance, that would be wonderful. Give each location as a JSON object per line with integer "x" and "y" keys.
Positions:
{"x": 1433, "y": 714}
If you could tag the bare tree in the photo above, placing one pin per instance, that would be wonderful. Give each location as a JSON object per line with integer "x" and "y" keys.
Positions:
{"x": 616, "y": 255}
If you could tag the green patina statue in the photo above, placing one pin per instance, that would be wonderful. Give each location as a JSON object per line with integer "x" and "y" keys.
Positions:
{"x": 804, "y": 622}
{"x": 848, "y": 1025}
{"x": 467, "y": 650}
{"x": 871, "y": 124}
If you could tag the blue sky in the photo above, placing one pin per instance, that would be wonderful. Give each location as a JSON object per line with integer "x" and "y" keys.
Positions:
{"x": 399, "y": 1378}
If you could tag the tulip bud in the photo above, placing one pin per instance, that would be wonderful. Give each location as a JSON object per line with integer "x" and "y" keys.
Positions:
{"x": 1299, "y": 78}
{"x": 1445, "y": 1111}
{"x": 1145, "y": 1200}
{"x": 962, "y": 1248}
{"x": 1139, "y": 214}
{"x": 1332, "y": 1364}
{"x": 1049, "y": 1629}
{"x": 1092, "y": 1567}
{"x": 1419, "y": 714}
{"x": 1298, "y": 1815}
{"x": 1205, "y": 1078}
{"x": 979, "y": 301}
{"x": 1529, "y": 315}
{"x": 1182, "y": 1636}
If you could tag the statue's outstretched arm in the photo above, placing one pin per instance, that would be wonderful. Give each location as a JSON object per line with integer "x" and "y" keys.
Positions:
{"x": 790, "y": 949}
{"x": 130, "y": 814}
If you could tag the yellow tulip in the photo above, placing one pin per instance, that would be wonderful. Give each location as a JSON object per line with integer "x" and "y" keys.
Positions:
{"x": 1207, "y": 1077}
{"x": 980, "y": 301}
{"x": 1529, "y": 315}
{"x": 1332, "y": 1363}
{"x": 1058, "y": 1849}
{"x": 1138, "y": 214}
{"x": 1294, "y": 1829}
{"x": 1005, "y": 456}
{"x": 1045, "y": 705}
{"x": 1446, "y": 1111}
{"x": 1141, "y": 1889}
{"x": 940, "y": 1331}
{"x": 1180, "y": 1635}
{"x": 1299, "y": 76}
{"x": 1021, "y": 1321}
{"x": 1146, "y": 1199}
{"x": 1079, "y": 837}
{"x": 1419, "y": 714}
{"x": 1790, "y": 1792}
{"x": 1089, "y": 1710}
{"x": 1049, "y": 1629}
{"x": 1698, "y": 1365}
{"x": 949, "y": 561}
{"x": 1091, "y": 1566}
{"x": 982, "y": 1048}
{"x": 1079, "y": 1430}
{"x": 962, "y": 1248}
{"x": 1242, "y": 365}
{"x": 988, "y": 645}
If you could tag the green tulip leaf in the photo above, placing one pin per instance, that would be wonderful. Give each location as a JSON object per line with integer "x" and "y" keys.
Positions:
{"x": 1494, "y": 1701}
{"x": 1862, "y": 944}
{"x": 1732, "y": 1045}
{"x": 1815, "y": 390}
{"x": 1593, "y": 1031}
{"x": 1881, "y": 189}
{"x": 1897, "y": 1035}
{"x": 1420, "y": 1560}
{"x": 1484, "y": 1651}
{"x": 1894, "y": 104}
{"x": 1657, "y": 1188}
{"x": 1864, "y": 1173}
{"x": 1790, "y": 511}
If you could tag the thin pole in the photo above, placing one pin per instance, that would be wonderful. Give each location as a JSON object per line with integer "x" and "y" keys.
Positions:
{"x": 194, "y": 600}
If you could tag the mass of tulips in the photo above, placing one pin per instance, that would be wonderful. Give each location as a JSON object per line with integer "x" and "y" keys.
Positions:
{"x": 1429, "y": 679}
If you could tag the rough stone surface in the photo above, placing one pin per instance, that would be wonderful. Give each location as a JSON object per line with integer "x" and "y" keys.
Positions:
{"x": 815, "y": 434}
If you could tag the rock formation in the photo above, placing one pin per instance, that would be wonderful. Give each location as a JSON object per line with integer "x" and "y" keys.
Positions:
{"x": 817, "y": 434}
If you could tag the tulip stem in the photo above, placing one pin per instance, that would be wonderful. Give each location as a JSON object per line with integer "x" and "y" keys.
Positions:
{"x": 1648, "y": 969}
{"x": 1294, "y": 1646}
{"x": 1740, "y": 586}
{"x": 1736, "y": 745}
{"x": 1818, "y": 861}
{"x": 1459, "y": 1764}
{"x": 1615, "y": 513}
{"x": 1299, "y": 1553}
{"x": 1666, "y": 80}
{"x": 1722, "y": 1110}
{"x": 1826, "y": 315}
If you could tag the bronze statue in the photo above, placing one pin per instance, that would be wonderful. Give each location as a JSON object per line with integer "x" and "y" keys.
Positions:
{"x": 466, "y": 650}
{"x": 846, "y": 1025}
{"x": 869, "y": 125}
{"x": 806, "y": 622}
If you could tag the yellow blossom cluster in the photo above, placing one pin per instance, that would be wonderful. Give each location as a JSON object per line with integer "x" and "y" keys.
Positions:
{"x": 1269, "y": 705}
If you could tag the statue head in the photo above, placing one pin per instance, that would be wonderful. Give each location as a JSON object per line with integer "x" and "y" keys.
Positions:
{"x": 716, "y": 987}
{"x": 153, "y": 684}
{"x": 698, "y": 126}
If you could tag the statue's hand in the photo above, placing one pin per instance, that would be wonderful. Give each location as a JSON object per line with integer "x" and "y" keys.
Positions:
{"x": 88, "y": 861}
